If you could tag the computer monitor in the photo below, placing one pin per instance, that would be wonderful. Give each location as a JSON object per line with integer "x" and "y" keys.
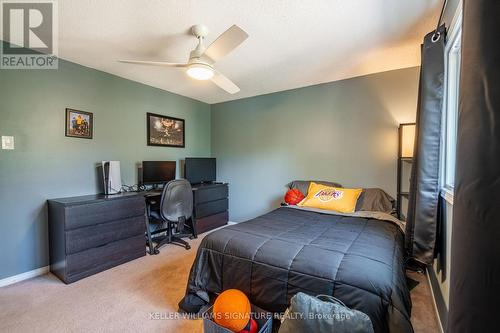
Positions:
{"x": 157, "y": 172}
{"x": 200, "y": 170}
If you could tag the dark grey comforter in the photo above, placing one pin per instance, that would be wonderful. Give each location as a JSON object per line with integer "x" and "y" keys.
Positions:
{"x": 274, "y": 256}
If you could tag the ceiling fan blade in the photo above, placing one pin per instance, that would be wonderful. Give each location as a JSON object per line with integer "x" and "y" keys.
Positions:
{"x": 225, "y": 43}
{"x": 154, "y": 63}
{"x": 224, "y": 83}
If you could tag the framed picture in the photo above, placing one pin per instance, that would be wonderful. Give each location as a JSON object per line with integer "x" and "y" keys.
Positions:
{"x": 165, "y": 131}
{"x": 79, "y": 124}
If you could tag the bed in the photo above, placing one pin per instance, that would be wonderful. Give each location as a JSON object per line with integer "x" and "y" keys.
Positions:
{"x": 358, "y": 258}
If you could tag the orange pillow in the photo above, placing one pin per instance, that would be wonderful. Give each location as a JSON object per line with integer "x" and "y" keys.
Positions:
{"x": 339, "y": 199}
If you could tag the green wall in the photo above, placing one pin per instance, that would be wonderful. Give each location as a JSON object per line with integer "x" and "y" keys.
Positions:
{"x": 343, "y": 131}
{"x": 46, "y": 164}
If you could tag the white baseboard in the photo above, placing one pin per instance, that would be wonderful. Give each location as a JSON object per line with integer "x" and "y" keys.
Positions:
{"x": 434, "y": 301}
{"x": 24, "y": 276}
{"x": 231, "y": 222}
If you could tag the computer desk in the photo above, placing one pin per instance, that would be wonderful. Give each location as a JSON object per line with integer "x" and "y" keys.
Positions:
{"x": 210, "y": 204}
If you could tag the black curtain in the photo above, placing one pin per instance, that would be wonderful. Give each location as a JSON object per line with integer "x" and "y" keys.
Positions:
{"x": 475, "y": 247}
{"x": 421, "y": 225}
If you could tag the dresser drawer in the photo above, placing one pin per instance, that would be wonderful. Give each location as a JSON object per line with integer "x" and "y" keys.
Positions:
{"x": 97, "y": 235}
{"x": 210, "y": 208}
{"x": 88, "y": 262}
{"x": 99, "y": 212}
{"x": 205, "y": 194}
{"x": 211, "y": 222}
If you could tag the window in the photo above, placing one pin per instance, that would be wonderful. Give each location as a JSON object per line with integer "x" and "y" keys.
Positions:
{"x": 450, "y": 112}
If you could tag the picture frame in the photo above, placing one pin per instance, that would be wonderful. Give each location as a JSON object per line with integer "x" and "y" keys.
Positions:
{"x": 79, "y": 124}
{"x": 165, "y": 131}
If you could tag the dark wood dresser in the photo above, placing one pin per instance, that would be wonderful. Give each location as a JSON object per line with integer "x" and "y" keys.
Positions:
{"x": 89, "y": 234}
{"x": 210, "y": 206}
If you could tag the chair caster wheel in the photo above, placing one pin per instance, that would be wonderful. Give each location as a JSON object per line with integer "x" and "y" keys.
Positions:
{"x": 188, "y": 247}
{"x": 156, "y": 251}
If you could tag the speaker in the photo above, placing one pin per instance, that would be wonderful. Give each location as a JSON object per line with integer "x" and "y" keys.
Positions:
{"x": 112, "y": 177}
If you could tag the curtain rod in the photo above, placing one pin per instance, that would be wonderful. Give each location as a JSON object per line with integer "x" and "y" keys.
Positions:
{"x": 437, "y": 34}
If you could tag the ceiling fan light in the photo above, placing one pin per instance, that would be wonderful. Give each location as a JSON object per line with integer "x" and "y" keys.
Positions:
{"x": 200, "y": 72}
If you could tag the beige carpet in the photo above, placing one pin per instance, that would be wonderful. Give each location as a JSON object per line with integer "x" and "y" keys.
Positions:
{"x": 423, "y": 313}
{"x": 128, "y": 297}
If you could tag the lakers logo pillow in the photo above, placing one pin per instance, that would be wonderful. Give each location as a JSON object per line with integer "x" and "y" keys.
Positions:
{"x": 339, "y": 199}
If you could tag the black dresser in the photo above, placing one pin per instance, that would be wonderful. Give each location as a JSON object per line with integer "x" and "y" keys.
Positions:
{"x": 210, "y": 206}
{"x": 89, "y": 234}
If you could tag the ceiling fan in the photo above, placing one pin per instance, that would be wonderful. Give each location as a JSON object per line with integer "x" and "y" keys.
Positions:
{"x": 200, "y": 65}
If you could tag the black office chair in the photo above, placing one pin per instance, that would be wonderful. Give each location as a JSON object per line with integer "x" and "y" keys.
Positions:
{"x": 172, "y": 213}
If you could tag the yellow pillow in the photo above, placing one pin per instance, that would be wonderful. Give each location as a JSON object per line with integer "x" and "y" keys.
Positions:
{"x": 342, "y": 200}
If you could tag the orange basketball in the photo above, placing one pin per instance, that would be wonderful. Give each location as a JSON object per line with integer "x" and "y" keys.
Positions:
{"x": 293, "y": 196}
{"x": 232, "y": 310}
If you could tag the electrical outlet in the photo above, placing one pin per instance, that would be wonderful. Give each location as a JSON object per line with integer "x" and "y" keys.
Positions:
{"x": 8, "y": 142}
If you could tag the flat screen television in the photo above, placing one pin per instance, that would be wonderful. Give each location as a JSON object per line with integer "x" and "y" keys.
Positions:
{"x": 158, "y": 172}
{"x": 200, "y": 170}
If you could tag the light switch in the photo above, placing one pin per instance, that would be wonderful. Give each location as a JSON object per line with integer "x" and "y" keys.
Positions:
{"x": 8, "y": 142}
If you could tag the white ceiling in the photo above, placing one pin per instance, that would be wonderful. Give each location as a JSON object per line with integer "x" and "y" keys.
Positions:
{"x": 292, "y": 43}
